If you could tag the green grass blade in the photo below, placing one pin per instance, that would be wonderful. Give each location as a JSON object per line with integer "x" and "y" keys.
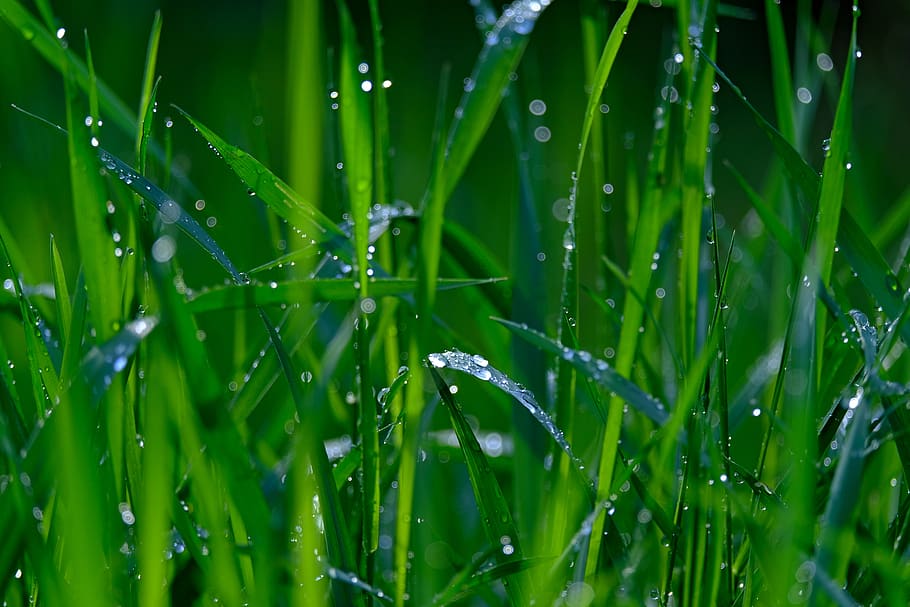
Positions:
{"x": 778, "y": 230}
{"x": 149, "y": 86}
{"x": 316, "y": 289}
{"x": 61, "y": 294}
{"x": 47, "y": 45}
{"x": 497, "y": 518}
{"x": 834, "y": 173}
{"x": 598, "y": 370}
{"x": 502, "y": 50}
{"x": 171, "y": 213}
{"x": 357, "y": 146}
{"x": 103, "y": 362}
{"x": 275, "y": 193}
{"x": 102, "y": 272}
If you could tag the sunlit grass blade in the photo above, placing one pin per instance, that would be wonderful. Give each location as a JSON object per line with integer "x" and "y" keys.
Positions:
{"x": 102, "y": 272}
{"x": 495, "y": 513}
{"x": 275, "y": 193}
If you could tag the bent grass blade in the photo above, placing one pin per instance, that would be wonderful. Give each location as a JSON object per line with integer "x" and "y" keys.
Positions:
{"x": 479, "y": 367}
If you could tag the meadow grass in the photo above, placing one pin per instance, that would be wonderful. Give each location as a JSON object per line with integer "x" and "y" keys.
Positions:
{"x": 678, "y": 384}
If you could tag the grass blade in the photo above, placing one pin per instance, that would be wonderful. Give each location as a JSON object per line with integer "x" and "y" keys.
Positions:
{"x": 284, "y": 201}
{"x": 316, "y": 289}
{"x": 596, "y": 369}
{"x": 497, "y": 518}
{"x": 502, "y": 50}
{"x": 171, "y": 213}
{"x": 479, "y": 367}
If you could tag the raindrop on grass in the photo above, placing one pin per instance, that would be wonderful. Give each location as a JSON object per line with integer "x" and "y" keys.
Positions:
{"x": 537, "y": 107}
{"x": 542, "y": 134}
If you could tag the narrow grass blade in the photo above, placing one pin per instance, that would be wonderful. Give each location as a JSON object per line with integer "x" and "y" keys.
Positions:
{"x": 102, "y": 272}
{"x": 496, "y": 516}
{"x": 466, "y": 587}
{"x": 834, "y": 173}
{"x": 503, "y": 48}
{"x": 317, "y": 289}
{"x": 61, "y": 294}
{"x": 479, "y": 367}
{"x": 149, "y": 86}
{"x": 278, "y": 195}
{"x": 170, "y": 212}
{"x": 598, "y": 370}
{"x": 43, "y": 377}
{"x": 357, "y": 145}
{"x": 780, "y": 71}
{"x": 777, "y": 228}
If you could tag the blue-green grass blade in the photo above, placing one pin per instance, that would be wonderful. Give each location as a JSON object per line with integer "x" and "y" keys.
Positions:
{"x": 315, "y": 289}
{"x": 42, "y": 372}
{"x": 170, "y": 211}
{"x": 596, "y": 369}
{"x": 782, "y": 79}
{"x": 501, "y": 53}
{"x": 496, "y": 516}
{"x": 805, "y": 178}
{"x": 275, "y": 193}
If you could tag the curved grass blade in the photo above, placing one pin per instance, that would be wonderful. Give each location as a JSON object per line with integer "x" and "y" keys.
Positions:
{"x": 103, "y": 362}
{"x": 356, "y": 582}
{"x": 278, "y": 195}
{"x": 495, "y": 514}
{"x": 465, "y": 585}
{"x": 316, "y": 289}
{"x": 170, "y": 211}
{"x": 598, "y": 370}
{"x": 502, "y": 50}
{"x": 479, "y": 367}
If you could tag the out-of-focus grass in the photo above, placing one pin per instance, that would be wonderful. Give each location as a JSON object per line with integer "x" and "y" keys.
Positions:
{"x": 214, "y": 389}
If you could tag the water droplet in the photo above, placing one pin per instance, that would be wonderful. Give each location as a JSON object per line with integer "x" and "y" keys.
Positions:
{"x": 537, "y": 107}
